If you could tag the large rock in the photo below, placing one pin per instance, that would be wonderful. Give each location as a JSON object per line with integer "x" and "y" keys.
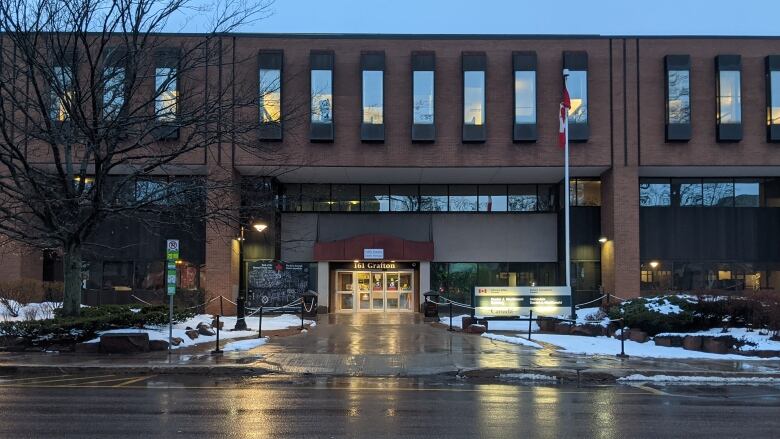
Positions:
{"x": 124, "y": 342}
{"x": 588, "y": 330}
{"x": 158, "y": 345}
{"x": 483, "y": 322}
{"x": 204, "y": 330}
{"x": 467, "y": 321}
{"x": 715, "y": 345}
{"x": 476, "y": 329}
{"x": 693, "y": 342}
{"x": 191, "y": 333}
{"x": 546, "y": 324}
{"x": 562, "y": 328}
{"x": 669, "y": 341}
{"x": 177, "y": 341}
{"x": 86, "y": 348}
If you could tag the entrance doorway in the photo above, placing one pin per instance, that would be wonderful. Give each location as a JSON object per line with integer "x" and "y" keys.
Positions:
{"x": 374, "y": 291}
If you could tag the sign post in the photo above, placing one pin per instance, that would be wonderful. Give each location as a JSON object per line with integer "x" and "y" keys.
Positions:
{"x": 171, "y": 256}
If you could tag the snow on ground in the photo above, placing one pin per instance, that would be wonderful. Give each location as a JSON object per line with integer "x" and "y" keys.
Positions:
{"x": 584, "y": 316}
{"x": 662, "y": 305}
{"x": 762, "y": 341}
{"x": 31, "y": 311}
{"x": 283, "y": 321}
{"x": 514, "y": 340}
{"x": 698, "y": 379}
{"x": 244, "y": 345}
{"x": 536, "y": 377}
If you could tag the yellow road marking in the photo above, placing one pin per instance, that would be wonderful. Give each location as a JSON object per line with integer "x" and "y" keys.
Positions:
{"x": 48, "y": 380}
{"x": 133, "y": 381}
{"x": 35, "y": 378}
{"x": 86, "y": 383}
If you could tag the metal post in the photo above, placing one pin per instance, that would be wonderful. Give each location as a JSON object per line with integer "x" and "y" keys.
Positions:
{"x": 241, "y": 299}
{"x": 622, "y": 353}
{"x": 530, "y": 322}
{"x": 260, "y": 323}
{"x": 302, "y": 309}
{"x": 170, "y": 324}
{"x": 450, "y": 316}
{"x": 217, "y": 350}
{"x": 221, "y": 310}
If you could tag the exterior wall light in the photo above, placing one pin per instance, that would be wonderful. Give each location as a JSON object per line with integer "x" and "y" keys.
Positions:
{"x": 259, "y": 226}
{"x": 654, "y": 264}
{"x": 603, "y": 239}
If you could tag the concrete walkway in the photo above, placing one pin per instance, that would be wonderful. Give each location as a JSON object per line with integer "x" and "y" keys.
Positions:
{"x": 387, "y": 345}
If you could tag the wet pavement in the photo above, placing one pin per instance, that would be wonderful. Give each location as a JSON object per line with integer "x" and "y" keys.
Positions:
{"x": 389, "y": 345}
{"x": 92, "y": 406}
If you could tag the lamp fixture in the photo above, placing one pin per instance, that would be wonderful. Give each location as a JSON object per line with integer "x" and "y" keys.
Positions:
{"x": 259, "y": 227}
{"x": 654, "y": 264}
{"x": 603, "y": 239}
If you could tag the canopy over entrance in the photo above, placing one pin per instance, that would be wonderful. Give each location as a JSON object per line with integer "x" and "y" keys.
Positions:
{"x": 394, "y": 248}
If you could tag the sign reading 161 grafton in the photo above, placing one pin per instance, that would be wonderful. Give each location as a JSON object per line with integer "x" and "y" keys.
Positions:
{"x": 517, "y": 301}
{"x": 171, "y": 256}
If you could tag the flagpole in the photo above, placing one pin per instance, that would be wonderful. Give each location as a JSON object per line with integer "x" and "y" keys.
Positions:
{"x": 567, "y": 202}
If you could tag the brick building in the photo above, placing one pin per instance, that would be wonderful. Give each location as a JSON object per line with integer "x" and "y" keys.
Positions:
{"x": 439, "y": 155}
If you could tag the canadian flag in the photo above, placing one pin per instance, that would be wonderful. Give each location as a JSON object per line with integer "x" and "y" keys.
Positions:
{"x": 563, "y": 115}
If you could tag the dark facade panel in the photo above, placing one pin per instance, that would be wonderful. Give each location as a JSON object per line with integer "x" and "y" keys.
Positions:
{"x": 676, "y": 131}
{"x": 272, "y": 59}
{"x": 424, "y": 61}
{"x": 322, "y": 60}
{"x": 772, "y": 129}
{"x": 524, "y": 61}
{"x": 372, "y": 61}
{"x": 578, "y": 60}
{"x": 728, "y": 132}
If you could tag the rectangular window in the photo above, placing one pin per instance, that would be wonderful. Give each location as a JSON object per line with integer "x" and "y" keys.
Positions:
{"x": 373, "y": 97}
{"x": 375, "y": 198}
{"x": 321, "y": 96}
{"x": 577, "y": 84}
{"x": 547, "y": 201}
{"x": 773, "y": 98}
{"x": 687, "y": 192}
{"x": 290, "y": 198}
{"x": 433, "y": 198}
{"x": 522, "y": 198}
{"x": 473, "y": 98}
{"x": 315, "y": 198}
{"x": 524, "y": 65}
{"x": 114, "y": 88}
{"x": 654, "y": 192}
{"x": 492, "y": 198}
{"x": 678, "y": 97}
{"x": 166, "y": 94}
{"x": 346, "y": 197}
{"x": 61, "y": 94}
{"x": 463, "y": 198}
{"x": 729, "y": 98}
{"x": 422, "y": 103}
{"x": 585, "y": 192}
{"x": 404, "y": 198}
{"x": 270, "y": 95}
{"x": 718, "y": 193}
{"x": 746, "y": 192}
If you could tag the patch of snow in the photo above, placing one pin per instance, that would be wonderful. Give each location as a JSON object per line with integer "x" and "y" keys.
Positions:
{"x": 755, "y": 339}
{"x": 536, "y": 377}
{"x": 576, "y": 344}
{"x": 514, "y": 340}
{"x": 31, "y": 311}
{"x": 698, "y": 379}
{"x": 244, "y": 345}
{"x": 662, "y": 305}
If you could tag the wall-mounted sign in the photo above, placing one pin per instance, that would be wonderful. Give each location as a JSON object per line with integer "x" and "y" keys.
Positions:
{"x": 517, "y": 301}
{"x": 373, "y": 253}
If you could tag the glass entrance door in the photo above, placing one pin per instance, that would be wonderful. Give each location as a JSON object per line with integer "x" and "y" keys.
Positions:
{"x": 374, "y": 291}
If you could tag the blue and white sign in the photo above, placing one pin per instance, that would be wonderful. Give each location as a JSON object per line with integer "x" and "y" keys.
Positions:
{"x": 373, "y": 253}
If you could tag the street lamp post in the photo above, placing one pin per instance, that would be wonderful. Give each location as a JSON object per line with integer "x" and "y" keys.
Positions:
{"x": 241, "y": 299}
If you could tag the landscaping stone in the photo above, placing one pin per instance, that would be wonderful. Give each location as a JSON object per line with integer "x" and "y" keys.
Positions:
{"x": 638, "y": 336}
{"x": 476, "y": 329}
{"x": 124, "y": 343}
{"x": 192, "y": 333}
{"x": 483, "y": 322}
{"x": 588, "y": 330}
{"x": 177, "y": 341}
{"x": 669, "y": 341}
{"x": 158, "y": 345}
{"x": 467, "y": 321}
{"x": 86, "y": 348}
{"x": 205, "y": 329}
{"x": 693, "y": 342}
{"x": 546, "y": 324}
{"x": 715, "y": 345}
{"x": 562, "y": 328}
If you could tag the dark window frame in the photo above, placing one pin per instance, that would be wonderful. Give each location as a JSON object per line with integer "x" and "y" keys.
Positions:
{"x": 473, "y": 62}
{"x": 578, "y": 61}
{"x": 271, "y": 59}
{"x": 677, "y": 132}
{"x": 772, "y": 64}
{"x": 727, "y": 132}
{"x": 424, "y": 62}
{"x": 524, "y": 62}
{"x": 372, "y": 61}
{"x": 323, "y": 60}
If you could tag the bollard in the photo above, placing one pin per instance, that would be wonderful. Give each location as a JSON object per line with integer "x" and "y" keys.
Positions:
{"x": 302, "y": 309}
{"x": 622, "y": 353}
{"x": 217, "y": 350}
{"x": 260, "y": 323}
{"x": 221, "y": 312}
{"x": 530, "y": 322}
{"x": 450, "y": 316}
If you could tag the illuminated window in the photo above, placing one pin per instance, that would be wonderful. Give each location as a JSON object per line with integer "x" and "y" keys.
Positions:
{"x": 422, "y": 103}
{"x": 61, "y": 94}
{"x": 647, "y": 276}
{"x": 773, "y": 115}
{"x": 270, "y": 95}
{"x": 373, "y": 94}
{"x": 577, "y": 85}
{"x": 474, "y": 98}
{"x": 525, "y": 97}
{"x": 114, "y": 91}
{"x": 729, "y": 97}
{"x": 322, "y": 96}
{"x": 166, "y": 95}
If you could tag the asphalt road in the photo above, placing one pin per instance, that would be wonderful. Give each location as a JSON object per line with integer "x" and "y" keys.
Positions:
{"x": 103, "y": 406}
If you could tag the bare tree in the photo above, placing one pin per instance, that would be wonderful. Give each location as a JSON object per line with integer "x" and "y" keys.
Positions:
{"x": 96, "y": 102}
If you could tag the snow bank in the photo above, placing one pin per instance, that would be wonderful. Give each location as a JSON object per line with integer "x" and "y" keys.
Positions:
{"x": 31, "y": 311}
{"x": 757, "y": 340}
{"x": 244, "y": 345}
{"x": 513, "y": 340}
{"x": 584, "y": 316}
{"x": 535, "y": 377}
{"x": 698, "y": 379}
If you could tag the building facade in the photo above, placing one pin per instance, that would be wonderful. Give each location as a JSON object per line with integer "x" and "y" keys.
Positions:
{"x": 408, "y": 163}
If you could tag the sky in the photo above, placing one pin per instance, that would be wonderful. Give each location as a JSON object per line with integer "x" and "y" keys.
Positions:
{"x": 605, "y": 17}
